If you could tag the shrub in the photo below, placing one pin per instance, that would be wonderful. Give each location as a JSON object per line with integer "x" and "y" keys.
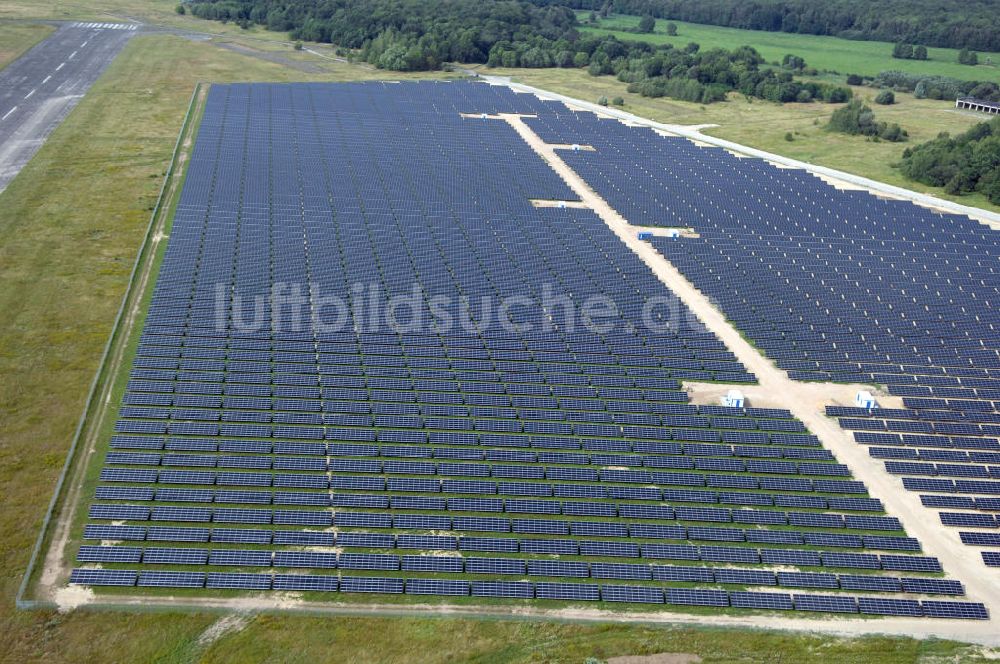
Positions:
{"x": 858, "y": 119}
{"x": 885, "y": 98}
{"x": 603, "y": 101}
{"x": 180, "y": 9}
{"x": 967, "y": 57}
{"x": 854, "y": 79}
{"x": 789, "y": 137}
{"x": 618, "y": 101}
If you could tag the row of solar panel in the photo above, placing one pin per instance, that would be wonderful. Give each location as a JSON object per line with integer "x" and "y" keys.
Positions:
{"x": 986, "y": 487}
{"x": 942, "y": 469}
{"x": 683, "y": 365}
{"x": 526, "y": 590}
{"x": 918, "y": 440}
{"x": 392, "y": 415}
{"x": 513, "y": 566}
{"x": 258, "y": 497}
{"x": 530, "y": 468}
{"x": 486, "y": 505}
{"x": 736, "y": 443}
{"x": 920, "y": 426}
{"x": 499, "y": 360}
{"x": 932, "y": 455}
{"x": 535, "y": 488}
{"x": 611, "y": 548}
{"x": 334, "y": 432}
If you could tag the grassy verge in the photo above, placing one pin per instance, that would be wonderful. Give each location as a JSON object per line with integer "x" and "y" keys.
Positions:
{"x": 16, "y": 38}
{"x": 831, "y": 53}
{"x": 764, "y": 125}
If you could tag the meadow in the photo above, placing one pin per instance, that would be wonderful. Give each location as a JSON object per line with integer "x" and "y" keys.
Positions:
{"x": 845, "y": 56}
{"x": 16, "y": 38}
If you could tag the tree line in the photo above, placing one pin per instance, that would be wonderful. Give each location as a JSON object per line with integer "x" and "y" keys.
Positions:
{"x": 413, "y": 35}
{"x": 966, "y": 163}
{"x": 932, "y": 87}
{"x": 968, "y": 24}
{"x": 705, "y": 77}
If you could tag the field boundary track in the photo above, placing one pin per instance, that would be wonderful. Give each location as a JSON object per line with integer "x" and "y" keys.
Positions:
{"x": 104, "y": 377}
{"x": 991, "y": 219}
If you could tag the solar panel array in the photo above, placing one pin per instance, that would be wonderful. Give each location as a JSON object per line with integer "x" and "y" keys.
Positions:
{"x": 833, "y": 285}
{"x": 367, "y": 458}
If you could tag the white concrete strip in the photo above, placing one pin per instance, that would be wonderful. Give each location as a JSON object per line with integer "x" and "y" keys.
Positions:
{"x": 71, "y": 55}
{"x": 28, "y": 96}
{"x": 84, "y": 43}
{"x": 7, "y": 114}
{"x": 61, "y": 65}
{"x": 46, "y": 79}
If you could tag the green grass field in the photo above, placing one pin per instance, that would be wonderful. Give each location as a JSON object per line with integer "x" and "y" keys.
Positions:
{"x": 16, "y": 38}
{"x": 70, "y": 226}
{"x": 830, "y": 53}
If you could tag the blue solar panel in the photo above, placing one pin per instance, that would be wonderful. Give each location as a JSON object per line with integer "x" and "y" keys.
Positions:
{"x": 769, "y": 601}
{"x": 890, "y": 607}
{"x": 957, "y": 610}
{"x": 567, "y": 591}
{"x": 437, "y": 587}
{"x": 305, "y": 559}
{"x": 302, "y": 582}
{"x": 632, "y": 594}
{"x": 164, "y": 579}
{"x": 103, "y": 577}
{"x": 910, "y": 563}
{"x": 368, "y": 584}
{"x": 696, "y": 597}
{"x": 508, "y": 589}
{"x": 872, "y": 583}
{"x": 238, "y": 581}
{"x": 109, "y": 554}
{"x": 825, "y": 603}
{"x": 366, "y": 540}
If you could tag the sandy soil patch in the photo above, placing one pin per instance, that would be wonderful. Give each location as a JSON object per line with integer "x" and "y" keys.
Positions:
{"x": 660, "y": 658}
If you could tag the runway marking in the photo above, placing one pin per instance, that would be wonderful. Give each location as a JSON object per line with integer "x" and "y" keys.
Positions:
{"x": 30, "y": 93}
{"x": 71, "y": 55}
{"x": 46, "y": 79}
{"x": 60, "y": 66}
{"x": 8, "y": 113}
{"x": 84, "y": 43}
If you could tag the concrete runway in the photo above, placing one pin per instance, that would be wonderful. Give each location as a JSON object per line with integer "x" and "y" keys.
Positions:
{"x": 39, "y": 89}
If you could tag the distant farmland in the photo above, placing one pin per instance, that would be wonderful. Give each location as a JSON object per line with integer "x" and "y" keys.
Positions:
{"x": 866, "y": 58}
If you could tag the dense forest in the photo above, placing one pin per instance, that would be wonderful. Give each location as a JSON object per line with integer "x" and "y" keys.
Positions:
{"x": 968, "y": 24}
{"x": 414, "y": 35}
{"x": 968, "y": 162}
